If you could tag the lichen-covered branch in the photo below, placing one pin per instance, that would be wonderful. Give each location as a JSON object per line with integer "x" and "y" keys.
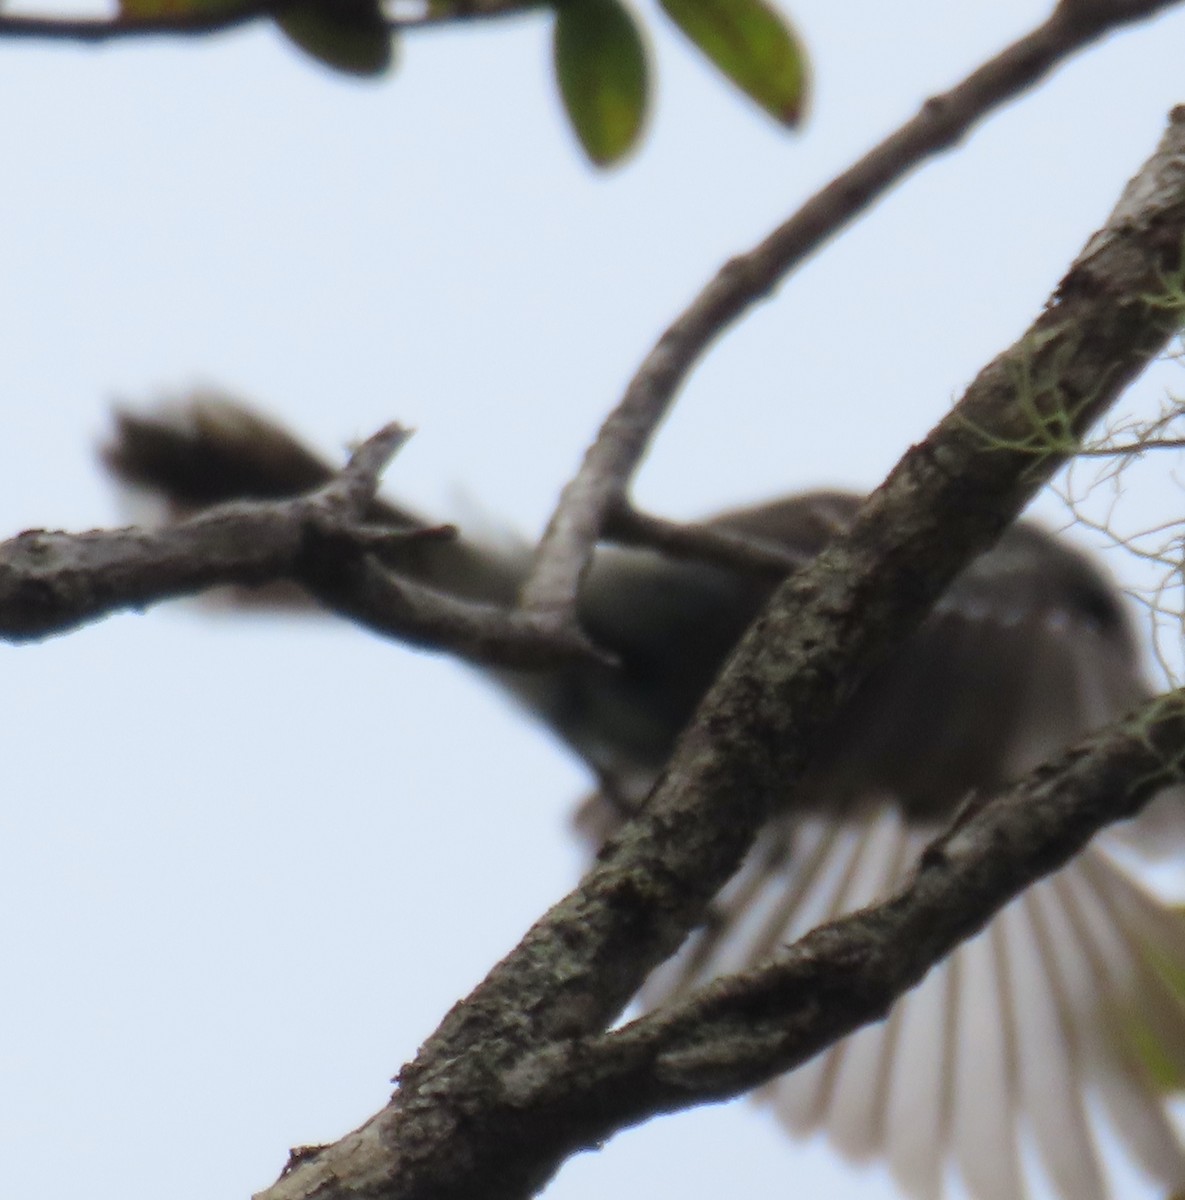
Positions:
{"x": 741, "y": 1031}
{"x": 824, "y": 630}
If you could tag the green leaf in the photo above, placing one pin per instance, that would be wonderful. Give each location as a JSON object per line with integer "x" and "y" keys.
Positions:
{"x": 753, "y": 45}
{"x": 348, "y": 35}
{"x": 600, "y": 65}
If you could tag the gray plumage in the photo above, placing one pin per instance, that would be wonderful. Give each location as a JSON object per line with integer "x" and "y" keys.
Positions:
{"x": 1056, "y": 1018}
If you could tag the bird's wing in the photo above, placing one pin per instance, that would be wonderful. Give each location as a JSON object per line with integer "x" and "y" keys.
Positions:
{"x": 1054, "y": 1023}
{"x": 1063, "y": 1017}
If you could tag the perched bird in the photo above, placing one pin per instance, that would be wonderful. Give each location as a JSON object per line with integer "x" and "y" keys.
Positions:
{"x": 1063, "y": 1018}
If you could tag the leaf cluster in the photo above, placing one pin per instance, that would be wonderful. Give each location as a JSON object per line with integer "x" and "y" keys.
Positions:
{"x": 603, "y": 65}
{"x": 604, "y": 74}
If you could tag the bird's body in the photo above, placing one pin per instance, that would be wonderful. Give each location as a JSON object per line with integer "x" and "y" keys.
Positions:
{"x": 993, "y": 684}
{"x": 1056, "y": 1019}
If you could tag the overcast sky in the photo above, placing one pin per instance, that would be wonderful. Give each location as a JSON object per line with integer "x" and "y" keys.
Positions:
{"x": 247, "y": 865}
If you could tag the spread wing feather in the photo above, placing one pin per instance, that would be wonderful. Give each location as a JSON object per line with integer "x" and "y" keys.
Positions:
{"x": 1029, "y": 1026}
{"x": 1058, "y": 1018}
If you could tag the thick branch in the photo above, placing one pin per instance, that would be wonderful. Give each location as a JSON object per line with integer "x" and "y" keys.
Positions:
{"x": 604, "y": 476}
{"x": 739, "y": 1032}
{"x": 824, "y": 630}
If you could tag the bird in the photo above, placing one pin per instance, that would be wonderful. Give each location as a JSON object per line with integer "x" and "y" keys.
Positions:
{"x": 1062, "y": 1022}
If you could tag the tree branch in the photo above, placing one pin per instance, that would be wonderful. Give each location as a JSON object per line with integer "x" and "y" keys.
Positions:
{"x": 604, "y": 476}
{"x": 92, "y": 31}
{"x": 740, "y": 1032}
{"x": 327, "y": 542}
{"x": 824, "y": 630}
{"x": 703, "y": 543}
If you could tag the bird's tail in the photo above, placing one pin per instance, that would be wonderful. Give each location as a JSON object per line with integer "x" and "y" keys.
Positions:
{"x": 1065, "y": 1016}
{"x": 208, "y": 450}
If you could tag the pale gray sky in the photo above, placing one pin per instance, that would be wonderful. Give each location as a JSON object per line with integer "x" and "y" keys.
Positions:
{"x": 246, "y": 866}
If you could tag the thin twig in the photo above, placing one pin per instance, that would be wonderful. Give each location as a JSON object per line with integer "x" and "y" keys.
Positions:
{"x": 357, "y": 483}
{"x": 1131, "y": 449}
{"x": 94, "y": 30}
{"x": 604, "y": 476}
{"x": 702, "y": 543}
{"x": 200, "y": 23}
